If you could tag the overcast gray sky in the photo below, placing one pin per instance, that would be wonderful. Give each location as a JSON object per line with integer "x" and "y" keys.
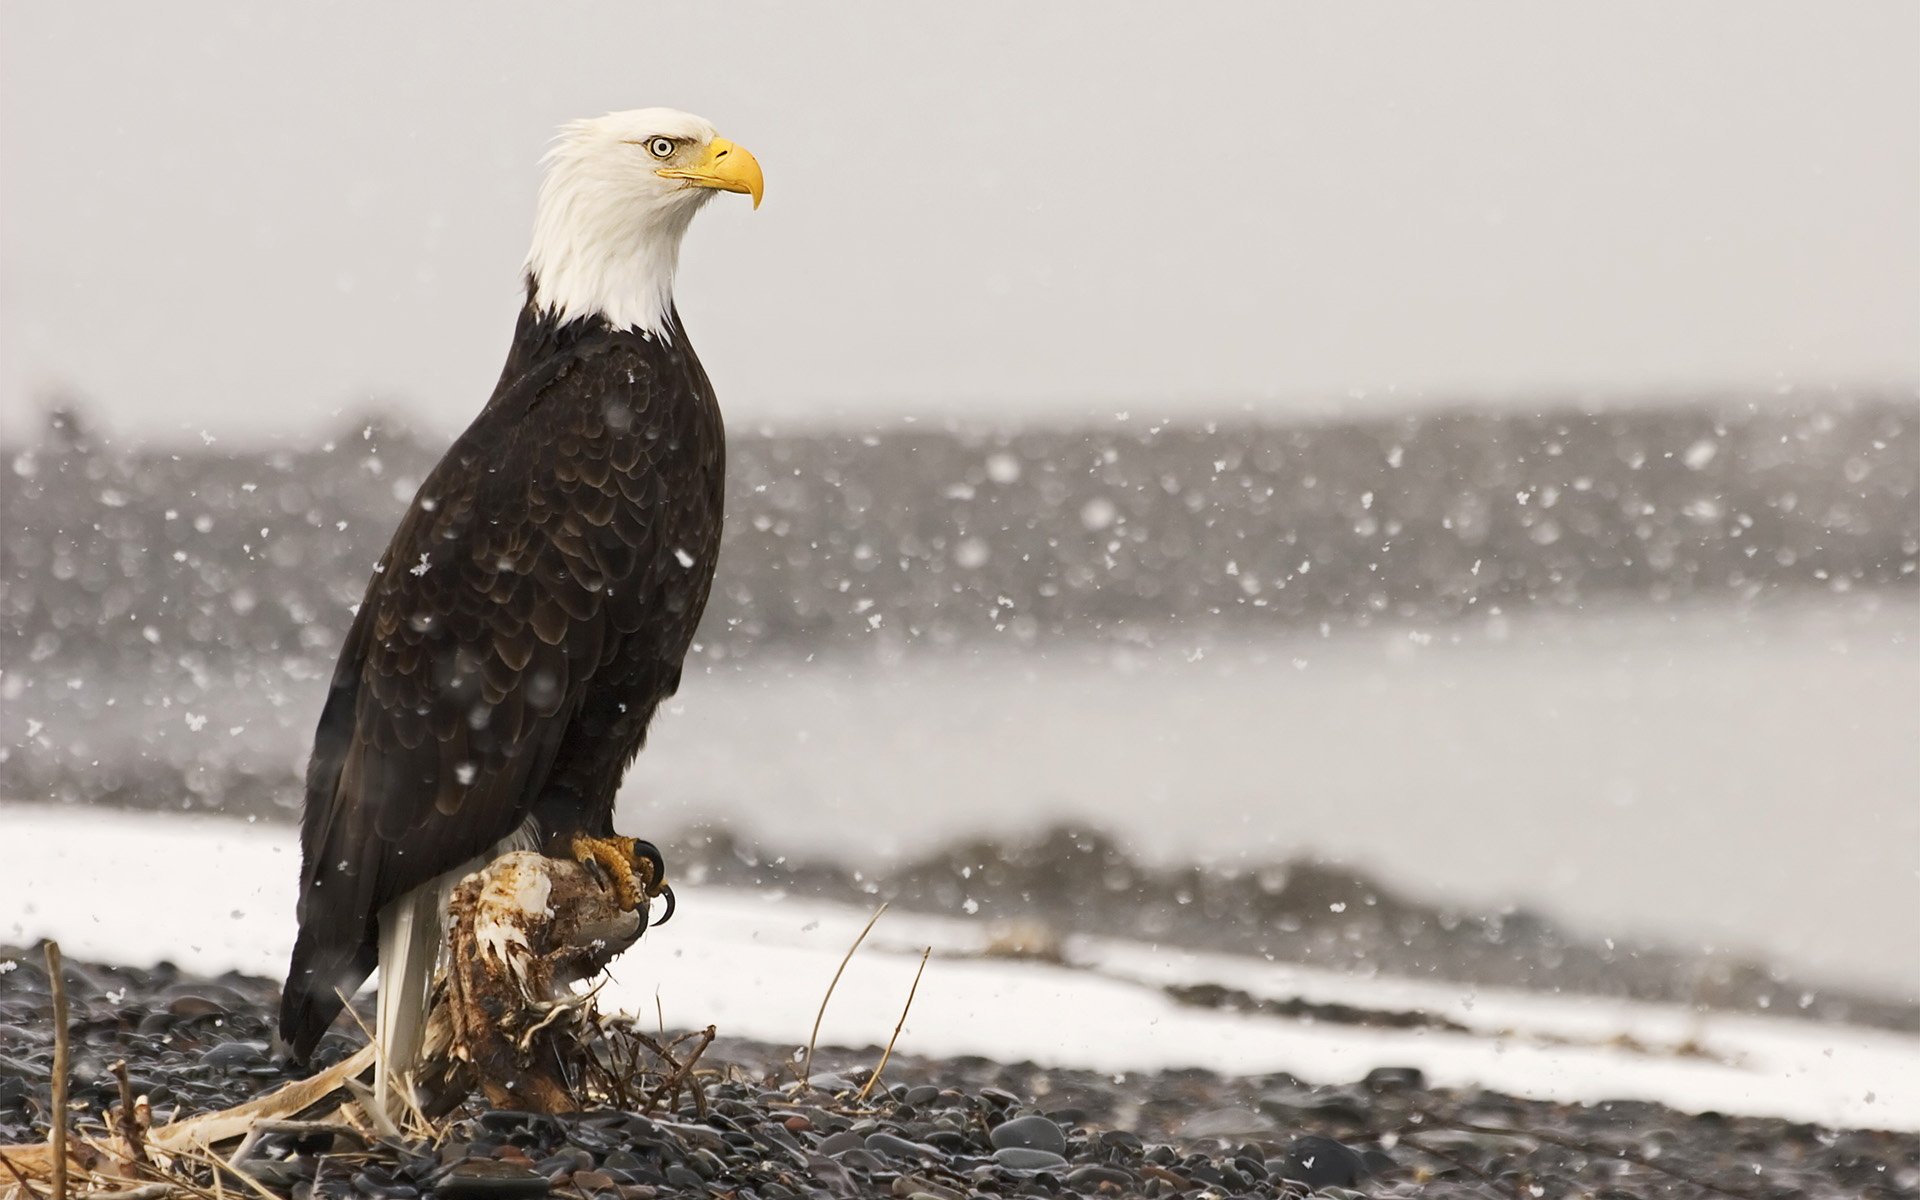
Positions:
{"x": 247, "y": 218}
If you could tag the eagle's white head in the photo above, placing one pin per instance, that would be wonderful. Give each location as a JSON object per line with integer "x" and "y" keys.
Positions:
{"x": 619, "y": 194}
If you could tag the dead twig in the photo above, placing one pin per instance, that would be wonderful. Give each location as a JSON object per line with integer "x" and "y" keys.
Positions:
{"x": 57, "y": 985}
{"x": 806, "y": 1067}
{"x": 128, "y": 1126}
{"x": 898, "y": 1026}
{"x": 682, "y": 1075}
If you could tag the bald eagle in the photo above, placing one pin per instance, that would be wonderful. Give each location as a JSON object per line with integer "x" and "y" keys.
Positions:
{"x": 535, "y": 604}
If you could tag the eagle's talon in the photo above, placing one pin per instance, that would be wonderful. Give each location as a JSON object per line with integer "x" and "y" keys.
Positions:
{"x": 633, "y": 867}
{"x": 667, "y": 894}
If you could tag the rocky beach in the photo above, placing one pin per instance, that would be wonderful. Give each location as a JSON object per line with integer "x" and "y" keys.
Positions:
{"x": 749, "y": 1126}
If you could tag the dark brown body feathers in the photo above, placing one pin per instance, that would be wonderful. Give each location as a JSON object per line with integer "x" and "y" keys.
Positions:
{"x": 531, "y": 612}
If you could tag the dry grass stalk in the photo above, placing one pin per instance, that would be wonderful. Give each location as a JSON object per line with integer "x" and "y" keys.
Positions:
{"x": 806, "y": 1066}
{"x": 211, "y": 1128}
{"x": 874, "y": 1079}
{"x": 57, "y": 985}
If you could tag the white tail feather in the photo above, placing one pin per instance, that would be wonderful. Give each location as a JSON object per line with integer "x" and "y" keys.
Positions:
{"x": 411, "y": 933}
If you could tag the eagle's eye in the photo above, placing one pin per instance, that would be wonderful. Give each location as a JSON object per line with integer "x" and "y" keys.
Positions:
{"x": 660, "y": 147}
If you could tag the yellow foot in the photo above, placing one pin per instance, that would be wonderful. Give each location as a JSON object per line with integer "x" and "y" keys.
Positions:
{"x": 634, "y": 867}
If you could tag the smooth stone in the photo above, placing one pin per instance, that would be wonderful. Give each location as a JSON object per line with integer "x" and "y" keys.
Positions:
{"x": 230, "y": 1055}
{"x": 622, "y": 1160}
{"x": 686, "y": 1177}
{"x": 703, "y": 1136}
{"x": 1322, "y": 1162}
{"x": 190, "y": 1006}
{"x": 899, "y": 1147}
{"x": 832, "y": 1083}
{"x": 950, "y": 1141}
{"x": 1393, "y": 1079}
{"x": 773, "y": 1134}
{"x": 922, "y": 1095}
{"x": 1230, "y": 1122}
{"x": 490, "y": 1179}
{"x": 564, "y": 1163}
{"x": 919, "y": 1187}
{"x": 593, "y": 1181}
{"x": 709, "y": 1164}
{"x": 1289, "y": 1104}
{"x": 1030, "y": 1133}
{"x": 368, "y": 1184}
{"x": 840, "y": 1143}
{"x": 1024, "y": 1158}
{"x": 1093, "y": 1175}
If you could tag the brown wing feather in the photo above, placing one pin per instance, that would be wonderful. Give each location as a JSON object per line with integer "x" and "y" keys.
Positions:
{"x": 479, "y": 640}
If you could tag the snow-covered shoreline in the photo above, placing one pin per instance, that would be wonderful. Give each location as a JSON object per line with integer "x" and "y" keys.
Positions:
{"x": 214, "y": 896}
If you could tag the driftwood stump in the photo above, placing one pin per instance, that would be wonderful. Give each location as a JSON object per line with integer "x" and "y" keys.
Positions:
{"x": 502, "y": 1016}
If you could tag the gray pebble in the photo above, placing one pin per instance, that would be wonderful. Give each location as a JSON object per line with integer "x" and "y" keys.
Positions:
{"x": 899, "y": 1147}
{"x": 1030, "y": 1133}
{"x": 1229, "y": 1122}
{"x": 840, "y": 1143}
{"x": 919, "y": 1187}
{"x": 1021, "y": 1158}
{"x": 686, "y": 1177}
{"x": 233, "y": 1055}
{"x": 489, "y": 1179}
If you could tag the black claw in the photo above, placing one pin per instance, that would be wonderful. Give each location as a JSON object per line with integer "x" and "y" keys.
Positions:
{"x": 667, "y": 894}
{"x": 651, "y": 852}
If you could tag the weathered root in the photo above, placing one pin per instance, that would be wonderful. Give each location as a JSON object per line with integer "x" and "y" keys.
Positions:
{"x": 502, "y": 1017}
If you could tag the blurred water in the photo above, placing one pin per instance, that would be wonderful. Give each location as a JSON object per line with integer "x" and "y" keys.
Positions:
{"x": 1709, "y": 776}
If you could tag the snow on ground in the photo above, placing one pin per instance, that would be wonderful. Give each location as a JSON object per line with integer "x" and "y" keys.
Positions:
{"x": 213, "y": 895}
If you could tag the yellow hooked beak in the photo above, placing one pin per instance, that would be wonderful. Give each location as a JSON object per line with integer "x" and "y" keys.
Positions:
{"x": 728, "y": 167}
